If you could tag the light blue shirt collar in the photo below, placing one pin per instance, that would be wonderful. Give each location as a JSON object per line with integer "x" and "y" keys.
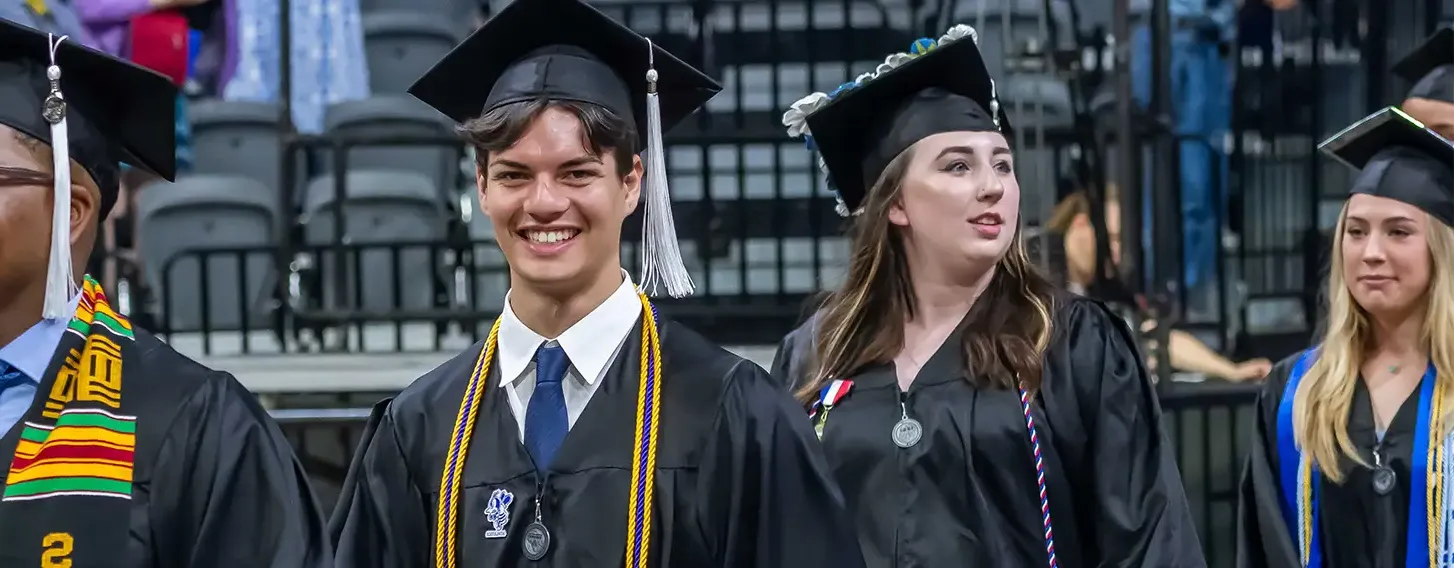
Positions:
{"x": 32, "y": 352}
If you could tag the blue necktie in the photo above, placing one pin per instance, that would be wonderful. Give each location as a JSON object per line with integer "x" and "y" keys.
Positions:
{"x": 546, "y": 422}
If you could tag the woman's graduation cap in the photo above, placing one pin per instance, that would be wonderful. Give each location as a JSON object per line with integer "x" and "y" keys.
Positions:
{"x": 565, "y": 50}
{"x": 89, "y": 107}
{"x": 1431, "y": 67}
{"x": 937, "y": 86}
{"x": 1398, "y": 158}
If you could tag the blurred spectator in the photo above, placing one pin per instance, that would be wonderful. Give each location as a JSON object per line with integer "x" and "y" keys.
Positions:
{"x": 1203, "y": 34}
{"x": 111, "y": 24}
{"x": 1071, "y": 220}
{"x": 1201, "y": 95}
{"x": 328, "y": 61}
{"x": 50, "y": 16}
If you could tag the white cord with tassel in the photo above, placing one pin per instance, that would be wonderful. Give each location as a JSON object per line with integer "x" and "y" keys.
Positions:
{"x": 661, "y": 255}
{"x": 60, "y": 280}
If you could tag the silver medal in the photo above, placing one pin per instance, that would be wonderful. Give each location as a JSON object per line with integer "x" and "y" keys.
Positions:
{"x": 1383, "y": 480}
{"x": 1384, "y": 477}
{"x": 907, "y": 432}
{"x": 536, "y": 542}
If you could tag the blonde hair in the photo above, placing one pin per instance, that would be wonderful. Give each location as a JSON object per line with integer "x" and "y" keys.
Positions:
{"x": 862, "y": 323}
{"x": 1325, "y": 394}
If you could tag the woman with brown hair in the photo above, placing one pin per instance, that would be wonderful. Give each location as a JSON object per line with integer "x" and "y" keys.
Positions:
{"x": 971, "y": 416}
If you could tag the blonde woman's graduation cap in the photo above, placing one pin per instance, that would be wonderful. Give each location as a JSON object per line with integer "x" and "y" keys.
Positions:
{"x": 1399, "y": 158}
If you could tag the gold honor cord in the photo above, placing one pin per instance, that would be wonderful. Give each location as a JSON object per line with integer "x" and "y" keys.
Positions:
{"x": 643, "y": 473}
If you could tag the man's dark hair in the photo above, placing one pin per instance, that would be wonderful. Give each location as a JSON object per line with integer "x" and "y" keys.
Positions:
{"x": 502, "y": 127}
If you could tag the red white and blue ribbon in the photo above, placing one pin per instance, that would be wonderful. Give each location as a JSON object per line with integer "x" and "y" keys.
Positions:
{"x": 829, "y": 396}
{"x": 1039, "y": 476}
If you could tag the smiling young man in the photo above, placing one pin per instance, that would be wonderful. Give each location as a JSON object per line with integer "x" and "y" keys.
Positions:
{"x": 588, "y": 430}
{"x": 121, "y": 452}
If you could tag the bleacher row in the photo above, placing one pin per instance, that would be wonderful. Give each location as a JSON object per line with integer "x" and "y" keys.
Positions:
{"x": 755, "y": 218}
{"x": 743, "y": 191}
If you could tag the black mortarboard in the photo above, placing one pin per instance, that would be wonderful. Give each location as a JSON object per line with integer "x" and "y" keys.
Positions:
{"x": 565, "y": 50}
{"x": 116, "y": 112}
{"x": 938, "y": 86}
{"x": 1398, "y": 158}
{"x": 561, "y": 50}
{"x": 88, "y": 107}
{"x": 1430, "y": 67}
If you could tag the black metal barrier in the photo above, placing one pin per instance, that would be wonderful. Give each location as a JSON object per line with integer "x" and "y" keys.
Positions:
{"x": 1209, "y": 424}
{"x": 459, "y": 302}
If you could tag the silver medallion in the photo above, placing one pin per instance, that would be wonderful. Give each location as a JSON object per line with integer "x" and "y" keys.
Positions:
{"x": 1384, "y": 479}
{"x": 536, "y": 542}
{"x": 907, "y": 432}
{"x": 54, "y": 108}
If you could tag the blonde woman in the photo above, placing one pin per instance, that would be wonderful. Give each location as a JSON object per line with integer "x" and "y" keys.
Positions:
{"x": 1351, "y": 462}
{"x": 971, "y": 417}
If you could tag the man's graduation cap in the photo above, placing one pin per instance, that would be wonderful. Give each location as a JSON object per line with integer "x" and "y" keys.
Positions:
{"x": 1398, "y": 158}
{"x": 565, "y": 50}
{"x": 90, "y": 107}
{"x": 1431, "y": 67}
{"x": 937, "y": 86}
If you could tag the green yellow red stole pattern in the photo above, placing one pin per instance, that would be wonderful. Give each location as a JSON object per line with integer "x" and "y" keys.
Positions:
{"x": 81, "y": 442}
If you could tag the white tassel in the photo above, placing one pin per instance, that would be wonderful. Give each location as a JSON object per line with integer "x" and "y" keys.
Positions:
{"x": 60, "y": 280}
{"x": 661, "y": 257}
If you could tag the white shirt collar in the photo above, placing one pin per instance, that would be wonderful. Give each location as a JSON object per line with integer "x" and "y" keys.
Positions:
{"x": 589, "y": 344}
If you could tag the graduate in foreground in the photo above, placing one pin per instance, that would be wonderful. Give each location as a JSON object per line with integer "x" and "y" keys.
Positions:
{"x": 972, "y": 416}
{"x": 1351, "y": 462}
{"x": 588, "y": 430}
{"x": 126, "y": 454}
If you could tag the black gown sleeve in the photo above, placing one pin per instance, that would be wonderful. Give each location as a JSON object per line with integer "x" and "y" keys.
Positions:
{"x": 380, "y": 520}
{"x": 767, "y": 499}
{"x": 790, "y": 362}
{"x": 231, "y": 493}
{"x": 1137, "y": 513}
{"x": 1263, "y": 539}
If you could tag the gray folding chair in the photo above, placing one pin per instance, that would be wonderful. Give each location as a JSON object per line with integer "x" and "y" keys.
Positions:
{"x": 209, "y": 212}
{"x": 396, "y": 116}
{"x": 380, "y": 208}
{"x": 402, "y": 44}
{"x": 238, "y": 138}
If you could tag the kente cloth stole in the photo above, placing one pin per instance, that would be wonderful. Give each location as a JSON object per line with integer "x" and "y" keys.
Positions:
{"x": 67, "y": 496}
{"x": 1431, "y": 506}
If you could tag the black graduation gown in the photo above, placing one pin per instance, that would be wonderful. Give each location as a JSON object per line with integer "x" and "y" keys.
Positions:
{"x": 966, "y": 494}
{"x": 1358, "y": 528}
{"x": 741, "y": 481}
{"x": 215, "y": 483}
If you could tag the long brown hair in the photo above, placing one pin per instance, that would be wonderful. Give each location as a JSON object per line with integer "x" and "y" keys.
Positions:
{"x": 862, "y": 323}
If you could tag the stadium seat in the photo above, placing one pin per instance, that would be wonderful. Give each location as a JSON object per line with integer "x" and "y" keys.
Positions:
{"x": 396, "y": 116}
{"x": 238, "y": 138}
{"x": 380, "y": 208}
{"x": 209, "y": 212}
{"x": 453, "y": 10}
{"x": 402, "y": 44}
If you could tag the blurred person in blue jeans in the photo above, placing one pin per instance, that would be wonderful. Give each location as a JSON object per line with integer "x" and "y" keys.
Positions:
{"x": 1203, "y": 33}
